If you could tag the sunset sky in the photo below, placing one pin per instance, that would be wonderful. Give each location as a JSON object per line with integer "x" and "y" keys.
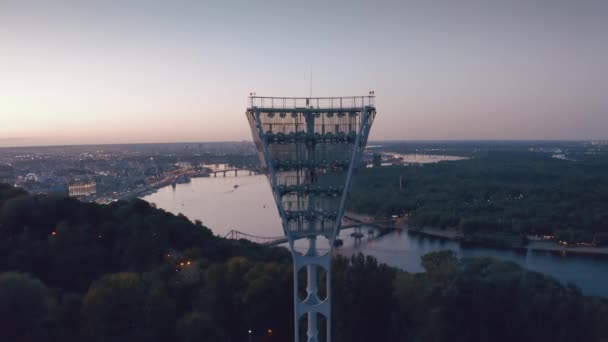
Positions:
{"x": 173, "y": 71}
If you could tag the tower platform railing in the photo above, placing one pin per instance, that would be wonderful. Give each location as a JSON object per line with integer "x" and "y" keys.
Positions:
{"x": 338, "y": 103}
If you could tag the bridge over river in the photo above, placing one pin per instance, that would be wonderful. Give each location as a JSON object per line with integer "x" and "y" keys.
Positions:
{"x": 350, "y": 221}
{"x": 224, "y": 169}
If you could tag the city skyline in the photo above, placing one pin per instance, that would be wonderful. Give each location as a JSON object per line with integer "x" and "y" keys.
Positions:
{"x": 141, "y": 72}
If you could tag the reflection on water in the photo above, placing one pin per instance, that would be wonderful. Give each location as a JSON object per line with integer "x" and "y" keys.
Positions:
{"x": 404, "y": 250}
{"x": 250, "y": 208}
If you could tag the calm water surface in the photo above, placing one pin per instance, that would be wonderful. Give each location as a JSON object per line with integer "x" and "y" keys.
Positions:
{"x": 250, "y": 208}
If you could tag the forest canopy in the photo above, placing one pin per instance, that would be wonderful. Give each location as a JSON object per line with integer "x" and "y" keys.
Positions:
{"x": 514, "y": 193}
{"x": 74, "y": 271}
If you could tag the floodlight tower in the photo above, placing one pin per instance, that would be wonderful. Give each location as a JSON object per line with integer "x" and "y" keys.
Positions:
{"x": 308, "y": 148}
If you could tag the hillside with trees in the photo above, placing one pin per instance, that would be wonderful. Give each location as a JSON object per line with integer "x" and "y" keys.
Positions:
{"x": 73, "y": 271}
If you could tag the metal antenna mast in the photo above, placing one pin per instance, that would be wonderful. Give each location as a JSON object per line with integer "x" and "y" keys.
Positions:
{"x": 310, "y": 94}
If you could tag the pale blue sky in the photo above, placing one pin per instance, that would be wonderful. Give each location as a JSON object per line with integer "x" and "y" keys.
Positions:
{"x": 160, "y": 71}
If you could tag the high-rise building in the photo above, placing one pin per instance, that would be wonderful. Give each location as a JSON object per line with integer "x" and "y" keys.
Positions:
{"x": 77, "y": 188}
{"x": 308, "y": 148}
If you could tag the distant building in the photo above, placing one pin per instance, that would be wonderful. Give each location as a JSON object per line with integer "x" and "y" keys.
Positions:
{"x": 82, "y": 187}
{"x": 183, "y": 165}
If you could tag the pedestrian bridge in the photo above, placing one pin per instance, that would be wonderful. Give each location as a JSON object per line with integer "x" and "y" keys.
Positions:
{"x": 277, "y": 240}
{"x": 235, "y": 170}
{"x": 262, "y": 240}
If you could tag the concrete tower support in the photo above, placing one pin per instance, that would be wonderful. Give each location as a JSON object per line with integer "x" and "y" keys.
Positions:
{"x": 308, "y": 148}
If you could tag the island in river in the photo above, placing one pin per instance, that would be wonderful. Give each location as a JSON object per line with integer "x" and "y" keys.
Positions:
{"x": 495, "y": 198}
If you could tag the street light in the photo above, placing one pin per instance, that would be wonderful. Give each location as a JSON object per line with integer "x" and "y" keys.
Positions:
{"x": 249, "y": 335}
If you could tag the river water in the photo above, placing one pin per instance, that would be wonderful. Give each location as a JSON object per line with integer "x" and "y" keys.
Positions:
{"x": 411, "y": 158}
{"x": 250, "y": 208}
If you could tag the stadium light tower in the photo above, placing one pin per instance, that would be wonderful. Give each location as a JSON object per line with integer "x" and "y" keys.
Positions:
{"x": 308, "y": 148}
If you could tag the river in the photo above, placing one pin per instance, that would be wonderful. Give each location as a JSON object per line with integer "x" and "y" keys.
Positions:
{"x": 250, "y": 208}
{"x": 415, "y": 158}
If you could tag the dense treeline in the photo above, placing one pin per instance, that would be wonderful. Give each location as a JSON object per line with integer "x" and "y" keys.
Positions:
{"x": 72, "y": 271}
{"x": 499, "y": 192}
{"x": 128, "y": 271}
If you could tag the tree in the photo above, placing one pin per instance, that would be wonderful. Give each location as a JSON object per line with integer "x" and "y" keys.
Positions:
{"x": 197, "y": 327}
{"x": 23, "y": 305}
{"x": 440, "y": 264}
{"x": 363, "y": 299}
{"x": 126, "y": 307}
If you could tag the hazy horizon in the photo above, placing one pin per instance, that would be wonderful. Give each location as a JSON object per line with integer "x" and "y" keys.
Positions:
{"x": 96, "y": 72}
{"x": 371, "y": 143}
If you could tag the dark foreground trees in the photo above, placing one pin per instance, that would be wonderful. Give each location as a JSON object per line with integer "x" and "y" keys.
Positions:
{"x": 23, "y": 305}
{"x": 489, "y": 300}
{"x": 72, "y": 271}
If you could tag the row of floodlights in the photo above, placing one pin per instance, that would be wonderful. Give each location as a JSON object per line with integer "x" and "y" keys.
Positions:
{"x": 316, "y": 114}
{"x": 302, "y": 226}
{"x": 312, "y": 190}
{"x": 294, "y": 136}
{"x": 310, "y": 214}
{"x": 290, "y": 164}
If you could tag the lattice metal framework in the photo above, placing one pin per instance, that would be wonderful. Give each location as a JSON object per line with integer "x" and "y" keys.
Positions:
{"x": 308, "y": 148}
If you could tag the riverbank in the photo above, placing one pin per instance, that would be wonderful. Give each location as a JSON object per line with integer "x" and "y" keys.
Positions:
{"x": 456, "y": 235}
{"x": 555, "y": 247}
{"x": 540, "y": 246}
{"x": 154, "y": 187}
